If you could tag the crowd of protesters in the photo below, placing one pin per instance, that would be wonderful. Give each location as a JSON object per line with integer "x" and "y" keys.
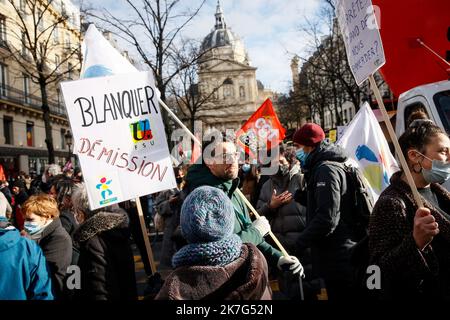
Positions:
{"x": 214, "y": 248}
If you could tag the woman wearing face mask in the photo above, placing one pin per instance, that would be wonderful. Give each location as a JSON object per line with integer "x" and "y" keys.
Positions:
{"x": 42, "y": 224}
{"x": 411, "y": 245}
{"x": 286, "y": 216}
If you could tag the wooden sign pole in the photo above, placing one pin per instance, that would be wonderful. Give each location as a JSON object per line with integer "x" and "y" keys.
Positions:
{"x": 148, "y": 247}
{"x": 394, "y": 139}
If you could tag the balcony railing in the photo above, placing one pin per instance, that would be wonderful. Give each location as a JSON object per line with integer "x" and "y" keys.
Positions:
{"x": 18, "y": 96}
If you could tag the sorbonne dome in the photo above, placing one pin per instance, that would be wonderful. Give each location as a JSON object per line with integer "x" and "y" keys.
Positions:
{"x": 225, "y": 72}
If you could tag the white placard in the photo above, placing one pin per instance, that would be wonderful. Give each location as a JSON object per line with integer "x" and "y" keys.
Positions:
{"x": 362, "y": 39}
{"x": 119, "y": 137}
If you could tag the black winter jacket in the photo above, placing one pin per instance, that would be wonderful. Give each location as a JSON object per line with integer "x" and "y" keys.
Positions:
{"x": 326, "y": 199}
{"x": 106, "y": 260}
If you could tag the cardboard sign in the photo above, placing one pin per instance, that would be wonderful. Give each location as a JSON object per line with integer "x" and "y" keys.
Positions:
{"x": 119, "y": 137}
{"x": 361, "y": 36}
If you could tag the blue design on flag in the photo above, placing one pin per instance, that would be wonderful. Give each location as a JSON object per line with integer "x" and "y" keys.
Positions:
{"x": 364, "y": 152}
{"x": 97, "y": 70}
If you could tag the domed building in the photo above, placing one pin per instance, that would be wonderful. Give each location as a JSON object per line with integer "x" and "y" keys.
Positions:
{"x": 225, "y": 73}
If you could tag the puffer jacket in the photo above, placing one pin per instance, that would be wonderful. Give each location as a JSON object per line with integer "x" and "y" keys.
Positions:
{"x": 289, "y": 220}
{"x": 327, "y": 198}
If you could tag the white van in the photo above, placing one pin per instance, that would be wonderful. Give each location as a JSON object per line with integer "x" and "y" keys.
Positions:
{"x": 434, "y": 98}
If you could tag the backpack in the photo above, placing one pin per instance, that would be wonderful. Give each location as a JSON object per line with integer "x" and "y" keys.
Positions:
{"x": 356, "y": 216}
{"x": 359, "y": 199}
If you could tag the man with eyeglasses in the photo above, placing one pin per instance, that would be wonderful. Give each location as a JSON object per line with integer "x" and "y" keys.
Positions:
{"x": 220, "y": 169}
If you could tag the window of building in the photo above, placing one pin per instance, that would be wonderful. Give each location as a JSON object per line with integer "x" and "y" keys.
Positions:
{"x": 68, "y": 44}
{"x": 242, "y": 92}
{"x": 26, "y": 88}
{"x": 69, "y": 71}
{"x": 2, "y": 29}
{"x": 22, "y": 6}
{"x": 56, "y": 35}
{"x": 57, "y": 61}
{"x": 63, "y": 8}
{"x": 8, "y": 129}
{"x": 30, "y": 133}
{"x": 58, "y": 96}
{"x": 3, "y": 79}
{"x": 228, "y": 90}
{"x": 63, "y": 138}
{"x": 24, "y": 45}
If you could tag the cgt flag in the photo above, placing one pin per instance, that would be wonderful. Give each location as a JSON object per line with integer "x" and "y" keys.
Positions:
{"x": 261, "y": 131}
{"x": 367, "y": 148}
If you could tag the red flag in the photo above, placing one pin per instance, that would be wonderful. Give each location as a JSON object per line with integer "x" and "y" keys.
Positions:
{"x": 409, "y": 64}
{"x": 262, "y": 130}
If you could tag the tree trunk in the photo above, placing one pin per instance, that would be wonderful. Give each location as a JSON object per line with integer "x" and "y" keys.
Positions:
{"x": 192, "y": 123}
{"x": 48, "y": 126}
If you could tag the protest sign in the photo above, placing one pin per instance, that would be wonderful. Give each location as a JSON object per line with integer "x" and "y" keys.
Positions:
{"x": 361, "y": 35}
{"x": 119, "y": 137}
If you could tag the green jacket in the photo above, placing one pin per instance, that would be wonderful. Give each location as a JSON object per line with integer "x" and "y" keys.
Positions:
{"x": 200, "y": 175}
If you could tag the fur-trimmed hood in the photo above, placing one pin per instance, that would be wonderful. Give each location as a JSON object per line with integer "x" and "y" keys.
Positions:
{"x": 100, "y": 222}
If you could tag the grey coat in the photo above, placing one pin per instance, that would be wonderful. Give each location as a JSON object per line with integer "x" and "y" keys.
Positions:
{"x": 289, "y": 220}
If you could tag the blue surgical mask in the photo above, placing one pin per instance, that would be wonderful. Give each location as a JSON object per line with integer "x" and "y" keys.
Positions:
{"x": 246, "y": 168}
{"x": 33, "y": 227}
{"x": 301, "y": 156}
{"x": 439, "y": 172}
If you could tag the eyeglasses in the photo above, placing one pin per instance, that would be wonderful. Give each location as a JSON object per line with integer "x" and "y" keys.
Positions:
{"x": 230, "y": 157}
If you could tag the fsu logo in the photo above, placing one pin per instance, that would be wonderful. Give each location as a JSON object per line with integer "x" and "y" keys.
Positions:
{"x": 141, "y": 132}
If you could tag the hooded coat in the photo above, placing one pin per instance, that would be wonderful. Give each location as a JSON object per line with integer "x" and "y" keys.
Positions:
{"x": 200, "y": 175}
{"x": 24, "y": 274}
{"x": 327, "y": 199}
{"x": 245, "y": 278}
{"x": 106, "y": 261}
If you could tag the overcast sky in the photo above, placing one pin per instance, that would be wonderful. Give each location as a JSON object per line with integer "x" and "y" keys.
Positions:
{"x": 268, "y": 28}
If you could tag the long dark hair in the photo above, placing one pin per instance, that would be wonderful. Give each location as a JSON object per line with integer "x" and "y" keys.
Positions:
{"x": 63, "y": 186}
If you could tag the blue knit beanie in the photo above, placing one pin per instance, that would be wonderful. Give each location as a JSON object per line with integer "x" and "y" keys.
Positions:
{"x": 207, "y": 223}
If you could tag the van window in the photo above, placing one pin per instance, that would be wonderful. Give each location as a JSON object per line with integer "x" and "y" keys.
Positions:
{"x": 442, "y": 102}
{"x": 415, "y": 111}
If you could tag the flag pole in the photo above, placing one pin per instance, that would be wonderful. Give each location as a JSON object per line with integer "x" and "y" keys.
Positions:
{"x": 394, "y": 139}
{"x": 249, "y": 205}
{"x": 181, "y": 124}
{"x": 148, "y": 247}
{"x": 256, "y": 214}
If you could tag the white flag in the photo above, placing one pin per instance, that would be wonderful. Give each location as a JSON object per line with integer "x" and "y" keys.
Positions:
{"x": 100, "y": 58}
{"x": 367, "y": 147}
